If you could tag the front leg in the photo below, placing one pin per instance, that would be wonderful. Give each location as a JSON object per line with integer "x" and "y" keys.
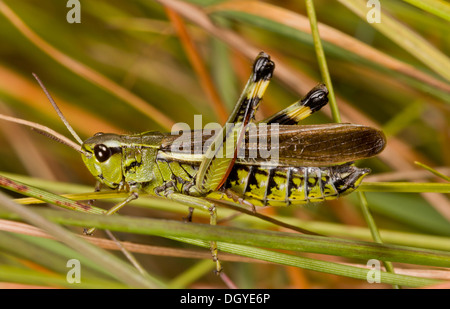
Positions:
{"x": 134, "y": 189}
{"x": 114, "y": 209}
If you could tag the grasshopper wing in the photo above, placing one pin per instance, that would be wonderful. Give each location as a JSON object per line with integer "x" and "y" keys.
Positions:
{"x": 291, "y": 145}
{"x": 314, "y": 145}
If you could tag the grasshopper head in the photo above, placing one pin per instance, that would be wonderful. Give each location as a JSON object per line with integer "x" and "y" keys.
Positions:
{"x": 116, "y": 160}
{"x": 103, "y": 158}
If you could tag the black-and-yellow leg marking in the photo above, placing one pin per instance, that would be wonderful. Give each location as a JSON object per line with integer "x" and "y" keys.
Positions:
{"x": 220, "y": 157}
{"x": 219, "y": 160}
{"x": 293, "y": 114}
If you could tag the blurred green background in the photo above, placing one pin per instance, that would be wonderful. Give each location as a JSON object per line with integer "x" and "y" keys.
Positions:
{"x": 126, "y": 69}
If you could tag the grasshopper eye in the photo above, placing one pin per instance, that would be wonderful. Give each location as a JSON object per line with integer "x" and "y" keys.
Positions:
{"x": 102, "y": 153}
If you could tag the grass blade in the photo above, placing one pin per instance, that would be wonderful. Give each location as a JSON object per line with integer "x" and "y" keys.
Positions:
{"x": 437, "y": 7}
{"x": 116, "y": 267}
{"x": 84, "y": 71}
{"x": 322, "y": 60}
{"x": 373, "y": 229}
{"x": 405, "y": 38}
{"x": 260, "y": 238}
{"x": 316, "y": 265}
{"x": 414, "y": 187}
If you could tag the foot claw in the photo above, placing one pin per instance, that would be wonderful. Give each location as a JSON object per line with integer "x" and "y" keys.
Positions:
{"x": 188, "y": 218}
{"x": 88, "y": 232}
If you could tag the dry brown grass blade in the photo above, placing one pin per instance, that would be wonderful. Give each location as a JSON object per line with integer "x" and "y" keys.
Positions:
{"x": 26, "y": 229}
{"x": 25, "y": 149}
{"x": 432, "y": 273}
{"x": 408, "y": 175}
{"x": 445, "y": 285}
{"x": 86, "y": 72}
{"x": 18, "y": 286}
{"x": 29, "y": 92}
{"x": 196, "y": 60}
{"x": 329, "y": 34}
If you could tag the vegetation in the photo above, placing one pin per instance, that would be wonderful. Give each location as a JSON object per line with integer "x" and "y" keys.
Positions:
{"x": 134, "y": 66}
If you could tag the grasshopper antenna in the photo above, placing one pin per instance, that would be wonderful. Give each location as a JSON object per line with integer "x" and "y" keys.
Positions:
{"x": 46, "y": 131}
{"x": 60, "y": 114}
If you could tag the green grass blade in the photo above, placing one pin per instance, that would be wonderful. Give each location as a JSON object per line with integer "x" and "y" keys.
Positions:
{"x": 403, "y": 118}
{"x": 437, "y": 7}
{"x": 431, "y": 170}
{"x": 316, "y": 265}
{"x": 192, "y": 274}
{"x": 46, "y": 196}
{"x": 408, "y": 209}
{"x": 30, "y": 277}
{"x": 373, "y": 229}
{"x": 414, "y": 187}
{"x": 48, "y": 185}
{"x": 115, "y": 266}
{"x": 405, "y": 38}
{"x": 322, "y": 60}
{"x": 261, "y": 238}
{"x": 51, "y": 256}
{"x": 291, "y": 25}
{"x": 324, "y": 228}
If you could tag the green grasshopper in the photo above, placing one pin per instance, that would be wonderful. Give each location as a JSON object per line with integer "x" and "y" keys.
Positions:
{"x": 314, "y": 162}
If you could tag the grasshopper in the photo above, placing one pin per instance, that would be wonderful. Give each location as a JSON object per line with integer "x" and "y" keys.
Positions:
{"x": 314, "y": 162}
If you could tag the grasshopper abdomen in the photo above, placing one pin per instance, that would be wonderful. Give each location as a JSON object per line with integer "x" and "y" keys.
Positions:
{"x": 284, "y": 186}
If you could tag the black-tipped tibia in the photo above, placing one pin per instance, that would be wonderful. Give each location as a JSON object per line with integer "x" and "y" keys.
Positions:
{"x": 316, "y": 98}
{"x": 263, "y": 67}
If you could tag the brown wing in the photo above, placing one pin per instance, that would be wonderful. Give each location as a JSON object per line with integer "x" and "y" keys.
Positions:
{"x": 297, "y": 145}
{"x": 320, "y": 145}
